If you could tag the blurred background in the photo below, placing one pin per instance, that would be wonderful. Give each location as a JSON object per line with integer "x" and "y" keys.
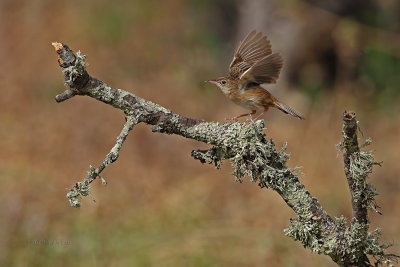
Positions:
{"x": 161, "y": 207}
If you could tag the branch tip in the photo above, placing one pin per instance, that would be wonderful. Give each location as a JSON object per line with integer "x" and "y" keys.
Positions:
{"x": 349, "y": 115}
{"x": 57, "y": 46}
{"x": 67, "y": 94}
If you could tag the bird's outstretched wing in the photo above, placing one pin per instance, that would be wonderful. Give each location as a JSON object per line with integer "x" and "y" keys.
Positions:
{"x": 265, "y": 70}
{"x": 253, "y": 48}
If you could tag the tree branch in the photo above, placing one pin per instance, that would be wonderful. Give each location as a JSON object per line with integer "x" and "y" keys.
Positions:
{"x": 251, "y": 154}
{"x": 357, "y": 183}
{"x": 83, "y": 188}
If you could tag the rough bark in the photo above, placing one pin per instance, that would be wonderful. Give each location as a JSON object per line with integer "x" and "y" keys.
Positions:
{"x": 251, "y": 154}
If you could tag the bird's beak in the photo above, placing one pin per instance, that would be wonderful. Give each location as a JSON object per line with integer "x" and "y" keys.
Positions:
{"x": 212, "y": 81}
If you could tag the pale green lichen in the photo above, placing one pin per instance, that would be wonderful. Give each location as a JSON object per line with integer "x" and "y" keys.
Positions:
{"x": 361, "y": 165}
{"x": 366, "y": 143}
{"x": 347, "y": 141}
{"x": 356, "y": 240}
{"x": 355, "y": 243}
{"x": 213, "y": 155}
{"x": 341, "y": 221}
{"x": 330, "y": 247}
{"x": 253, "y": 155}
{"x": 72, "y": 72}
{"x": 307, "y": 232}
{"x": 377, "y": 250}
{"x": 103, "y": 181}
{"x": 80, "y": 189}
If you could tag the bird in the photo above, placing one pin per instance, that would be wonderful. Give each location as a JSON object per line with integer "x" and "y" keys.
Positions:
{"x": 253, "y": 64}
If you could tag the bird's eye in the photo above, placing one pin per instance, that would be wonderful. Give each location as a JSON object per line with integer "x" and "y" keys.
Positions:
{"x": 223, "y": 82}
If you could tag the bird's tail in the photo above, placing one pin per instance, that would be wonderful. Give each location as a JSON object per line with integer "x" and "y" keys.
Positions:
{"x": 288, "y": 110}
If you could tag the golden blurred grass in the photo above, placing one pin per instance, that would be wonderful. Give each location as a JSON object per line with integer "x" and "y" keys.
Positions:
{"x": 160, "y": 207}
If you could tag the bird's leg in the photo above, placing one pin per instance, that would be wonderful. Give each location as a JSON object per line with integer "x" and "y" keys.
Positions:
{"x": 241, "y": 115}
{"x": 258, "y": 117}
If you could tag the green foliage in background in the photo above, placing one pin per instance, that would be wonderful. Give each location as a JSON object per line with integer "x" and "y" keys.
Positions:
{"x": 380, "y": 70}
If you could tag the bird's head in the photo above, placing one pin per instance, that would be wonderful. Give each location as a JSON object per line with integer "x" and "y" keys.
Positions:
{"x": 223, "y": 83}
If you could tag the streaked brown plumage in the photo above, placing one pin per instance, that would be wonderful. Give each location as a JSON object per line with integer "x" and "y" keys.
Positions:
{"x": 253, "y": 64}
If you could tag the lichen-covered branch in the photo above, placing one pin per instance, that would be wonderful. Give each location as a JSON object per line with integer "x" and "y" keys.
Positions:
{"x": 358, "y": 165}
{"x": 351, "y": 157}
{"x": 251, "y": 154}
{"x": 356, "y": 181}
{"x": 83, "y": 188}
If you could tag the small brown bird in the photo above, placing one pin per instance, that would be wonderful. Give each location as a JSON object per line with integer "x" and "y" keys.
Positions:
{"x": 253, "y": 64}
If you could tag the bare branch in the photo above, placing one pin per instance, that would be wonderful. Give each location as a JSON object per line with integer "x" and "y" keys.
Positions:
{"x": 67, "y": 94}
